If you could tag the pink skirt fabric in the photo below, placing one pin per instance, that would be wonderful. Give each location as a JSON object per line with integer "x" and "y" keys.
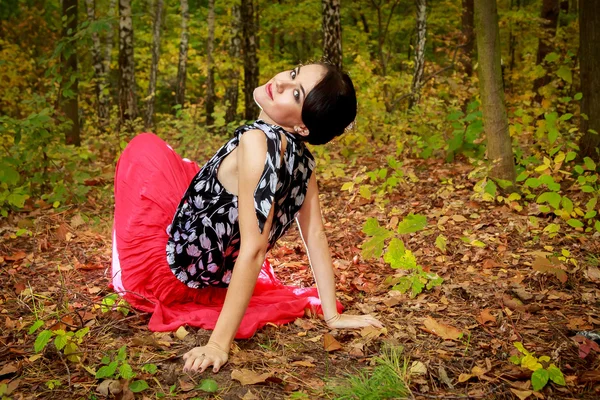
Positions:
{"x": 150, "y": 181}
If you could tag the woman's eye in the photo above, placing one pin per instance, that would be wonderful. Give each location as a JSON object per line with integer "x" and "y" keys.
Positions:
{"x": 296, "y": 94}
{"x": 293, "y": 74}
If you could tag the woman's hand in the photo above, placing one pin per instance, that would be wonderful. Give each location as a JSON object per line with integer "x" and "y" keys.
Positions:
{"x": 200, "y": 358}
{"x": 347, "y": 321}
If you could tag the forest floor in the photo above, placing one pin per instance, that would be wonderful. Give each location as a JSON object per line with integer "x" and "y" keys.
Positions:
{"x": 490, "y": 293}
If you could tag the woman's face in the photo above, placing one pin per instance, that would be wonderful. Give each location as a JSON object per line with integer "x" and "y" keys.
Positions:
{"x": 281, "y": 98}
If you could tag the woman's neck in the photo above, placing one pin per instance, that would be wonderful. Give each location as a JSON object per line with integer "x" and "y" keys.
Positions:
{"x": 263, "y": 116}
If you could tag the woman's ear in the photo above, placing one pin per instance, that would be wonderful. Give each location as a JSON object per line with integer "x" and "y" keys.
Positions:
{"x": 301, "y": 130}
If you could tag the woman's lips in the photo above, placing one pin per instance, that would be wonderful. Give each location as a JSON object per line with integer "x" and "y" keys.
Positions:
{"x": 268, "y": 88}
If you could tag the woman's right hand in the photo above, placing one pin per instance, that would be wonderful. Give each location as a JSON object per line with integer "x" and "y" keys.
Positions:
{"x": 200, "y": 358}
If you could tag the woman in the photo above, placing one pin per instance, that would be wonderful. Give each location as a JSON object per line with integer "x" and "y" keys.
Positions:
{"x": 232, "y": 212}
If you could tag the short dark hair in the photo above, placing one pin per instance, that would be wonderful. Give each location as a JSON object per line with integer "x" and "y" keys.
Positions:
{"x": 329, "y": 107}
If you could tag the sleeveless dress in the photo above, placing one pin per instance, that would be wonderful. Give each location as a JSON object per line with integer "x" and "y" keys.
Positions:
{"x": 176, "y": 233}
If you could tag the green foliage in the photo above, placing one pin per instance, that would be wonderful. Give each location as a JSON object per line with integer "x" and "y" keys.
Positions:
{"x": 208, "y": 385}
{"x": 414, "y": 278}
{"x": 114, "y": 302}
{"x": 467, "y": 132}
{"x": 543, "y": 370}
{"x": 67, "y": 342}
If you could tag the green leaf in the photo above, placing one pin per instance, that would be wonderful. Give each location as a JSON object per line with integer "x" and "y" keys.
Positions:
{"x": 533, "y": 183}
{"x": 42, "y": 340}
{"x": 122, "y": 353}
{"x": 374, "y": 247}
{"x": 551, "y": 198}
{"x": 60, "y": 341}
{"x": 126, "y": 371}
{"x": 417, "y": 285}
{"x": 578, "y": 96}
{"x": 556, "y": 375}
{"x": 82, "y": 332}
{"x": 394, "y": 253}
{"x": 575, "y": 223}
{"x": 403, "y": 284}
{"x": 412, "y": 223}
{"x": 365, "y": 192}
{"x": 440, "y": 243}
{"x": 551, "y": 57}
{"x": 406, "y": 261}
{"x": 138, "y": 386}
{"x": 539, "y": 379}
{"x": 490, "y": 188}
{"x": 565, "y": 74}
{"x": 587, "y": 189}
{"x": 107, "y": 371}
{"x": 567, "y": 204}
{"x": 590, "y": 214}
{"x": 150, "y": 368}
{"x": 589, "y": 164}
{"x": 36, "y": 325}
{"x": 208, "y": 385}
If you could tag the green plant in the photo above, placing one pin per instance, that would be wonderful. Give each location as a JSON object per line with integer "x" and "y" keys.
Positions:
{"x": 67, "y": 342}
{"x": 114, "y": 302}
{"x": 386, "y": 381}
{"x": 416, "y": 277}
{"x": 543, "y": 370}
{"x": 118, "y": 367}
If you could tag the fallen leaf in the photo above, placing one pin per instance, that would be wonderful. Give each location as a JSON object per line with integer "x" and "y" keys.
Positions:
{"x": 109, "y": 387}
{"x": 443, "y": 375}
{"x": 488, "y": 263}
{"x": 185, "y": 384}
{"x": 417, "y": 368}
{"x": 459, "y": 218}
{"x": 77, "y": 221}
{"x": 523, "y": 294}
{"x": 521, "y": 394}
{"x": 307, "y": 364}
{"x": 442, "y": 330}
{"x": 248, "y": 377}
{"x": 19, "y": 255}
{"x": 330, "y": 344}
{"x": 590, "y": 377}
{"x": 485, "y": 316}
{"x": 11, "y": 387}
{"x": 478, "y": 371}
{"x": 8, "y": 370}
{"x": 315, "y": 339}
{"x": 578, "y": 324}
{"x": 593, "y": 274}
{"x": 19, "y": 287}
{"x": 250, "y": 396}
{"x": 585, "y": 345}
{"x": 181, "y": 333}
{"x": 371, "y": 332}
{"x": 61, "y": 232}
{"x": 464, "y": 377}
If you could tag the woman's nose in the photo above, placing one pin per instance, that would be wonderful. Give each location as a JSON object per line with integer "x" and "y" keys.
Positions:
{"x": 281, "y": 85}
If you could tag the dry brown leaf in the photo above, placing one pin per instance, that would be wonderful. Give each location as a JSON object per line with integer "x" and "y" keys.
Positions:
{"x": 485, "y": 316}
{"x": 459, "y": 218}
{"x": 417, "y": 368}
{"x": 478, "y": 371}
{"x": 249, "y": 377}
{"x": 578, "y": 324}
{"x": 371, "y": 332}
{"x": 521, "y": 394}
{"x": 315, "y": 339}
{"x": 330, "y": 344}
{"x": 307, "y": 364}
{"x": 442, "y": 330}
{"x": 488, "y": 263}
{"x": 8, "y": 369}
{"x": 250, "y": 396}
{"x": 19, "y": 255}
{"x": 61, "y": 232}
{"x": 181, "y": 333}
{"x": 77, "y": 221}
{"x": 109, "y": 387}
{"x": 464, "y": 377}
{"x": 593, "y": 274}
{"x": 185, "y": 384}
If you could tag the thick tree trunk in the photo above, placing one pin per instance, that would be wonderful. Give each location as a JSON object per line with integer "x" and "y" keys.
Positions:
{"x": 419, "y": 52}
{"x": 235, "y": 45}
{"x": 250, "y": 60}
{"x": 128, "y": 109}
{"x": 101, "y": 62}
{"x": 210, "y": 69}
{"x": 332, "y": 32}
{"x": 183, "y": 55}
{"x": 468, "y": 36}
{"x": 549, "y": 17}
{"x": 495, "y": 120}
{"x": 69, "y": 92}
{"x": 589, "y": 61}
{"x": 158, "y": 10}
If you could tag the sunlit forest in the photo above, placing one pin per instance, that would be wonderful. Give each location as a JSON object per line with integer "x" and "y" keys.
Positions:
{"x": 461, "y": 207}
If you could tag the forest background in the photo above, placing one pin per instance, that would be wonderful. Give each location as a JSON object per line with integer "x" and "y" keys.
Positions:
{"x": 492, "y": 105}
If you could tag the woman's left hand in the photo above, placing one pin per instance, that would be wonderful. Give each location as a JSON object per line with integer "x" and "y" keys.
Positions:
{"x": 347, "y": 321}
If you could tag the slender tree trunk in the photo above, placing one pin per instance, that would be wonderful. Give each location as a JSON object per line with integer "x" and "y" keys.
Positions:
{"x": 183, "y": 55}
{"x": 495, "y": 120}
{"x": 128, "y": 109}
{"x": 210, "y": 69}
{"x": 468, "y": 36}
{"x": 235, "y": 45}
{"x": 158, "y": 10}
{"x": 69, "y": 92}
{"x": 332, "y": 32}
{"x": 419, "y": 52}
{"x": 549, "y": 17}
{"x": 589, "y": 61}
{"x": 250, "y": 59}
{"x": 101, "y": 68}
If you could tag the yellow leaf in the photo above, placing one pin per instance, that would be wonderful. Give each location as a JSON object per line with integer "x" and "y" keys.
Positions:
{"x": 522, "y": 394}
{"x": 248, "y": 377}
{"x": 181, "y": 333}
{"x": 444, "y": 331}
{"x": 330, "y": 344}
{"x": 464, "y": 377}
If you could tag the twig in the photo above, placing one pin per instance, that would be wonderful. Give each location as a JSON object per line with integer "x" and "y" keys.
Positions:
{"x": 66, "y": 366}
{"x": 464, "y": 396}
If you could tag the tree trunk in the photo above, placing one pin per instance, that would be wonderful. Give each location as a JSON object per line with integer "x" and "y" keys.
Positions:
{"x": 183, "y": 55}
{"x": 210, "y": 69}
{"x": 69, "y": 85}
{"x": 495, "y": 120}
{"x": 332, "y": 32}
{"x": 589, "y": 61}
{"x": 419, "y": 52}
{"x": 250, "y": 59}
{"x": 158, "y": 9}
{"x": 99, "y": 72}
{"x": 468, "y": 36}
{"x": 235, "y": 44}
{"x": 549, "y": 17}
{"x": 128, "y": 109}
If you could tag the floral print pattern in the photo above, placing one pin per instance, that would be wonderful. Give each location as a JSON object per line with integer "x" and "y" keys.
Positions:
{"x": 204, "y": 236}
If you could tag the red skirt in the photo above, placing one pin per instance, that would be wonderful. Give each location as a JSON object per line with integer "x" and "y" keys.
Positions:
{"x": 150, "y": 181}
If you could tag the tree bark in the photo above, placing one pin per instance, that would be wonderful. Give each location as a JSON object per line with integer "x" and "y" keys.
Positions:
{"x": 468, "y": 36}
{"x": 128, "y": 109}
{"x": 210, "y": 69}
{"x": 158, "y": 10}
{"x": 69, "y": 92}
{"x": 549, "y": 17}
{"x": 250, "y": 59}
{"x": 100, "y": 71}
{"x": 495, "y": 120}
{"x": 332, "y": 32}
{"x": 183, "y": 55}
{"x": 589, "y": 61}
{"x": 419, "y": 52}
{"x": 235, "y": 44}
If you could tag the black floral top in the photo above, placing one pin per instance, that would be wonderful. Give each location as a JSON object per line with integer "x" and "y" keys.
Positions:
{"x": 204, "y": 237}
